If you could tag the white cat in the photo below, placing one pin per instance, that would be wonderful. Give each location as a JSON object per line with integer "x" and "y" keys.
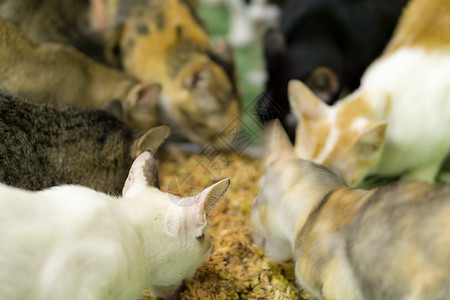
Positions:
{"x": 398, "y": 121}
{"x": 71, "y": 242}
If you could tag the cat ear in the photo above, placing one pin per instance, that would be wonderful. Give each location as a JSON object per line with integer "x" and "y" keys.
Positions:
{"x": 115, "y": 108}
{"x": 304, "y": 104}
{"x": 367, "y": 152}
{"x": 371, "y": 140}
{"x": 144, "y": 95}
{"x": 143, "y": 174}
{"x": 204, "y": 203}
{"x": 278, "y": 143}
{"x": 190, "y": 213}
{"x": 113, "y": 38}
{"x": 274, "y": 45}
{"x": 197, "y": 77}
{"x": 224, "y": 52}
{"x": 150, "y": 140}
{"x": 141, "y": 105}
{"x": 324, "y": 83}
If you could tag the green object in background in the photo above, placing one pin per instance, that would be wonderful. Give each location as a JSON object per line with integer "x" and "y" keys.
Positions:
{"x": 215, "y": 18}
{"x": 249, "y": 64}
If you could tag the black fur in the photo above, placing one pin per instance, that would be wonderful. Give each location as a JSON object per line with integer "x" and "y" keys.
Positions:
{"x": 343, "y": 35}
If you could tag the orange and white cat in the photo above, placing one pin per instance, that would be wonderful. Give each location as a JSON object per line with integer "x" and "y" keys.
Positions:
{"x": 165, "y": 41}
{"x": 397, "y": 122}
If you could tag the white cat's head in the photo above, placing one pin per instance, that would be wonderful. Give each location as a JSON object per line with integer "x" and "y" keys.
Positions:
{"x": 173, "y": 229}
{"x": 343, "y": 137}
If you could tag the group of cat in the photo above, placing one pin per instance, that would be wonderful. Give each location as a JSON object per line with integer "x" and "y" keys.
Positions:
{"x": 390, "y": 242}
{"x": 74, "y": 242}
{"x": 86, "y": 133}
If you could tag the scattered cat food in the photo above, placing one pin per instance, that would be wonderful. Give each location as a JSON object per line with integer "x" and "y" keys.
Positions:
{"x": 236, "y": 268}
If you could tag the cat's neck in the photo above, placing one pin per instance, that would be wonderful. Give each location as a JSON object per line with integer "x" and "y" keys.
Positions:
{"x": 300, "y": 210}
{"x": 146, "y": 213}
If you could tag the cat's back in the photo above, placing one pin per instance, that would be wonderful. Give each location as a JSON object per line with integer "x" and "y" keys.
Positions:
{"x": 399, "y": 244}
{"x": 40, "y": 211}
{"x": 66, "y": 237}
{"x": 45, "y": 145}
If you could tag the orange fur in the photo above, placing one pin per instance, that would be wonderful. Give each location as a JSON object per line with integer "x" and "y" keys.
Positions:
{"x": 375, "y": 130}
{"x": 425, "y": 24}
{"x": 164, "y": 41}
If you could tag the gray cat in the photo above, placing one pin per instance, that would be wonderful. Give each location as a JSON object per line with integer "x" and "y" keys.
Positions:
{"x": 45, "y": 145}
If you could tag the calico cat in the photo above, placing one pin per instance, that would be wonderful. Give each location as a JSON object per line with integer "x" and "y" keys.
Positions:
{"x": 45, "y": 145}
{"x": 328, "y": 44}
{"x": 164, "y": 41}
{"x": 75, "y": 243}
{"x": 392, "y": 242}
{"x": 59, "y": 73}
{"x": 397, "y": 122}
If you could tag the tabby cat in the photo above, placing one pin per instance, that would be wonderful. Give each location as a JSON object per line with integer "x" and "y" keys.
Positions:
{"x": 45, "y": 145}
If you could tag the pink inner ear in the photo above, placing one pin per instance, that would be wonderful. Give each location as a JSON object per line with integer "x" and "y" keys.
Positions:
{"x": 136, "y": 180}
{"x": 196, "y": 215}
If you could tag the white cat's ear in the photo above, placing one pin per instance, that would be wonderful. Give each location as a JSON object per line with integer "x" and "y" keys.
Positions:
{"x": 204, "y": 202}
{"x": 278, "y": 143}
{"x": 188, "y": 217}
{"x": 150, "y": 140}
{"x": 143, "y": 174}
{"x": 304, "y": 104}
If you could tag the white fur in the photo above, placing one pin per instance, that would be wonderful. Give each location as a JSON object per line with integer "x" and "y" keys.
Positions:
{"x": 249, "y": 22}
{"x": 72, "y": 242}
{"x": 419, "y": 84}
{"x": 331, "y": 140}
